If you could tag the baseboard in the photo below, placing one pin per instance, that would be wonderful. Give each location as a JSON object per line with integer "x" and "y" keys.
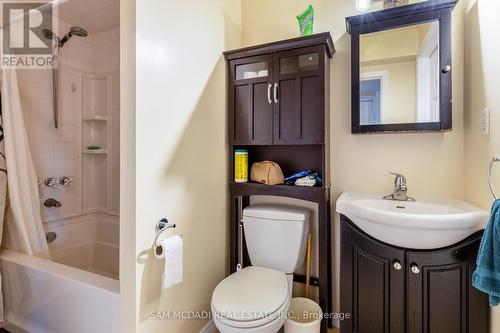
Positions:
{"x": 209, "y": 327}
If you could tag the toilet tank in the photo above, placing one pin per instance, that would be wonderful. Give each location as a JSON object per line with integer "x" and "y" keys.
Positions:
{"x": 276, "y": 235}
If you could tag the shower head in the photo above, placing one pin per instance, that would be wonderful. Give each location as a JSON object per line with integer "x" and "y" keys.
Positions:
{"x": 49, "y": 34}
{"x": 73, "y": 31}
{"x": 78, "y": 31}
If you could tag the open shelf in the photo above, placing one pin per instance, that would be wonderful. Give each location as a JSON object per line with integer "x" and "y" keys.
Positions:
{"x": 309, "y": 193}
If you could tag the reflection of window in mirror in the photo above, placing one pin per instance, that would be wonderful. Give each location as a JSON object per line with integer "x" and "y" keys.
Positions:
{"x": 399, "y": 74}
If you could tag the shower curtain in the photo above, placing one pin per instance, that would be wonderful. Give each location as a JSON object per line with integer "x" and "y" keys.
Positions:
{"x": 3, "y": 197}
{"x": 23, "y": 222}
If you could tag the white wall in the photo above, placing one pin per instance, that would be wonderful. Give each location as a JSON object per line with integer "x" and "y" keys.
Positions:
{"x": 177, "y": 163}
{"x": 128, "y": 272}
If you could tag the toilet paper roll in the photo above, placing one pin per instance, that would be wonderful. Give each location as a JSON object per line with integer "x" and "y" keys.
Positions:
{"x": 170, "y": 250}
{"x": 159, "y": 251}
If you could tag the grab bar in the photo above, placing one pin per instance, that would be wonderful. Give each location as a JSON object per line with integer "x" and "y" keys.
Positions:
{"x": 490, "y": 181}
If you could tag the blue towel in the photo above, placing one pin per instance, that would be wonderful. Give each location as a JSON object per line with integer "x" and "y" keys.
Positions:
{"x": 487, "y": 275}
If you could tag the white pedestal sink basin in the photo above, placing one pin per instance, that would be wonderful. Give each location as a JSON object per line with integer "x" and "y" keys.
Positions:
{"x": 423, "y": 224}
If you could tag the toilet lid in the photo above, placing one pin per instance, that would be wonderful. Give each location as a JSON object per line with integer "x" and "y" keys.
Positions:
{"x": 250, "y": 294}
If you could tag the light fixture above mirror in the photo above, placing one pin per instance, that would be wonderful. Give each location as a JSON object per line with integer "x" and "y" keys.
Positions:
{"x": 363, "y": 5}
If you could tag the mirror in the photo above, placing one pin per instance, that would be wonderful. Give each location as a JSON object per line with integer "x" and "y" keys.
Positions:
{"x": 399, "y": 75}
{"x": 401, "y": 68}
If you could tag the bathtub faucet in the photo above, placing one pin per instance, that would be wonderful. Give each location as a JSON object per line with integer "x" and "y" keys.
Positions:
{"x": 51, "y": 202}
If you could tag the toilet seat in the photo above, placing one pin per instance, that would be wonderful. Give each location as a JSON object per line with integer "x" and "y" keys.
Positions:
{"x": 252, "y": 297}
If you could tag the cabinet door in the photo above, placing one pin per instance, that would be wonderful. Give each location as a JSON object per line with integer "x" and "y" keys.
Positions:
{"x": 300, "y": 96}
{"x": 440, "y": 295}
{"x": 250, "y": 100}
{"x": 372, "y": 283}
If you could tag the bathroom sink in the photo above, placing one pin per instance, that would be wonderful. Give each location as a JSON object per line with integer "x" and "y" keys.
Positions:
{"x": 423, "y": 224}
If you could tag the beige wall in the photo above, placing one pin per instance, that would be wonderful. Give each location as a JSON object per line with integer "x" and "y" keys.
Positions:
{"x": 173, "y": 122}
{"x": 128, "y": 275}
{"x": 433, "y": 162}
{"x": 401, "y": 103}
{"x": 394, "y": 52}
{"x": 179, "y": 170}
{"x": 482, "y": 79}
{"x": 389, "y": 44}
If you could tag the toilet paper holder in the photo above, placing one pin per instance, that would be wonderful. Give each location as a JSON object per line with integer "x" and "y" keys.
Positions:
{"x": 160, "y": 227}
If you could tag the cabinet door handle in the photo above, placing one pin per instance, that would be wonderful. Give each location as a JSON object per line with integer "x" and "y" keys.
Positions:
{"x": 414, "y": 269}
{"x": 269, "y": 86}
{"x": 397, "y": 265}
{"x": 275, "y": 92}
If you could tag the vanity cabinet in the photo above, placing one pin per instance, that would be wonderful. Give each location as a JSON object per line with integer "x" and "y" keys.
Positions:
{"x": 279, "y": 97}
{"x": 389, "y": 289}
{"x": 439, "y": 291}
{"x": 372, "y": 284}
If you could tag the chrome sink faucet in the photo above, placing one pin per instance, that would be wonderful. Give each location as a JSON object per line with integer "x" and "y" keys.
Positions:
{"x": 400, "y": 189}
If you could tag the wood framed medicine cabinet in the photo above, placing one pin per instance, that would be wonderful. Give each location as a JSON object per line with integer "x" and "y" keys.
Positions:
{"x": 381, "y": 43}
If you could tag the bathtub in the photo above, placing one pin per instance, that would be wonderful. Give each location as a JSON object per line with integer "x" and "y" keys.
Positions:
{"x": 78, "y": 291}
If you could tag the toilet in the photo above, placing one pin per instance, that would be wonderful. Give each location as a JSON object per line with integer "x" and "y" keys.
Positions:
{"x": 256, "y": 299}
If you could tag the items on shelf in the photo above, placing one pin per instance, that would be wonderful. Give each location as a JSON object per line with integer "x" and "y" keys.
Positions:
{"x": 253, "y": 75}
{"x": 93, "y": 147}
{"x": 304, "y": 178}
{"x": 306, "y": 21}
{"x": 267, "y": 172}
{"x": 241, "y": 165}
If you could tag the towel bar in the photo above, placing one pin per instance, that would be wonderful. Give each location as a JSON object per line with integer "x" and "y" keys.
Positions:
{"x": 490, "y": 181}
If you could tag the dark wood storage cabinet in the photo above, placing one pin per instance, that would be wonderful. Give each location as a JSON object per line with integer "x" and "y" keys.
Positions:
{"x": 251, "y": 101}
{"x": 279, "y": 97}
{"x": 278, "y": 104}
{"x": 390, "y": 289}
{"x": 299, "y": 111}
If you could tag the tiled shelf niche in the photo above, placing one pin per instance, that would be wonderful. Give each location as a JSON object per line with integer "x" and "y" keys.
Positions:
{"x": 96, "y": 142}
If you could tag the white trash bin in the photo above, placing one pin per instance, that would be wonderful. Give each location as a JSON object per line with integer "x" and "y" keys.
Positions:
{"x": 304, "y": 316}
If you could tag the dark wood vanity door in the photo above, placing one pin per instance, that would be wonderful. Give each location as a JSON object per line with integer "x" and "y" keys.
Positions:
{"x": 371, "y": 285}
{"x": 299, "y": 82}
{"x": 440, "y": 295}
{"x": 250, "y": 100}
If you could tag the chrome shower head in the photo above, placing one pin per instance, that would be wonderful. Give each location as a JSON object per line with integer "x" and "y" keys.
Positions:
{"x": 78, "y": 31}
{"x": 49, "y": 34}
{"x": 73, "y": 31}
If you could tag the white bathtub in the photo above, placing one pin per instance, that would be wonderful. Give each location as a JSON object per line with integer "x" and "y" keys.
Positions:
{"x": 78, "y": 291}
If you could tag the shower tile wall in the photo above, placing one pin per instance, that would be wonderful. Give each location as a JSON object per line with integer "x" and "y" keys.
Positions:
{"x": 57, "y": 152}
